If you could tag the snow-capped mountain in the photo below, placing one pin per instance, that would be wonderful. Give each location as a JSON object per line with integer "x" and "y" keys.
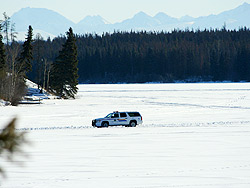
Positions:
{"x": 238, "y": 17}
{"x": 140, "y": 21}
{"x": 41, "y": 19}
{"x": 93, "y": 21}
{"x": 50, "y": 23}
{"x": 91, "y": 24}
{"x": 165, "y": 19}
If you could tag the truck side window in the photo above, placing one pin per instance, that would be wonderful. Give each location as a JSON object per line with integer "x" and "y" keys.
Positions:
{"x": 133, "y": 114}
{"x": 115, "y": 116}
{"x": 123, "y": 114}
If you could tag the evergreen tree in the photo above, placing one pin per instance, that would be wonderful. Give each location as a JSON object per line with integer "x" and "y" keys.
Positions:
{"x": 64, "y": 73}
{"x": 24, "y": 60}
{"x": 11, "y": 142}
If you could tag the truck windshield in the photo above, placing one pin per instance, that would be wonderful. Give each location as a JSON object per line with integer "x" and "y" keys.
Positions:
{"x": 109, "y": 115}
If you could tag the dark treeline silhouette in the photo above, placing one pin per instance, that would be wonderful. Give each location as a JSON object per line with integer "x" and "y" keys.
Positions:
{"x": 209, "y": 55}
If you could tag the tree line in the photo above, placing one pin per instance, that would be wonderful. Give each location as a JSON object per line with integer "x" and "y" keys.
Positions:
{"x": 137, "y": 57}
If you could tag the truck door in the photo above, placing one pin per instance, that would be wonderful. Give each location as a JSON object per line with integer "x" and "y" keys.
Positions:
{"x": 123, "y": 120}
{"x": 114, "y": 119}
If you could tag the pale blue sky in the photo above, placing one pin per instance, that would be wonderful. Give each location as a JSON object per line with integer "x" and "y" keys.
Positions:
{"x": 116, "y": 10}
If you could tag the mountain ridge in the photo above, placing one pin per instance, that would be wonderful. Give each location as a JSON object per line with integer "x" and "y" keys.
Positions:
{"x": 54, "y": 24}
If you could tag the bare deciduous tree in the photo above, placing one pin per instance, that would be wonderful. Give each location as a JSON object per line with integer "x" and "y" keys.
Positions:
{"x": 6, "y": 26}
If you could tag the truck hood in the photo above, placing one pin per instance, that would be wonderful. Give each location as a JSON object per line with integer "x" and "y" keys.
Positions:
{"x": 100, "y": 119}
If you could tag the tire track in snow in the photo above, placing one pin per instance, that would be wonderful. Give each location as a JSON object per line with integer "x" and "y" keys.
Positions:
{"x": 194, "y": 124}
{"x": 53, "y": 128}
{"x": 198, "y": 124}
{"x": 198, "y": 105}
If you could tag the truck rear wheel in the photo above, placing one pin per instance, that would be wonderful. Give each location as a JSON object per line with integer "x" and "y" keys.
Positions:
{"x": 132, "y": 124}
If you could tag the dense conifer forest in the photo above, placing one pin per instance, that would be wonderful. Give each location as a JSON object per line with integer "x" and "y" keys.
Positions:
{"x": 209, "y": 55}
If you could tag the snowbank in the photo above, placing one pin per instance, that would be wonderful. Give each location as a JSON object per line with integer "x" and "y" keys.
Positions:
{"x": 194, "y": 135}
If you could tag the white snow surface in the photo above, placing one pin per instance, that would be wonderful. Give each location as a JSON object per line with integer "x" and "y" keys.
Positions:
{"x": 193, "y": 135}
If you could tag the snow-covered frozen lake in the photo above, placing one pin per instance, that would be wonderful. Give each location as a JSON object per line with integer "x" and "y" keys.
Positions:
{"x": 194, "y": 135}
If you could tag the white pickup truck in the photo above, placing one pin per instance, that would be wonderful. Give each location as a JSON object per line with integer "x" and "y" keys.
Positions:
{"x": 128, "y": 119}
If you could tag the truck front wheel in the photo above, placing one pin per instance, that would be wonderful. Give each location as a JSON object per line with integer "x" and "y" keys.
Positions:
{"x": 105, "y": 124}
